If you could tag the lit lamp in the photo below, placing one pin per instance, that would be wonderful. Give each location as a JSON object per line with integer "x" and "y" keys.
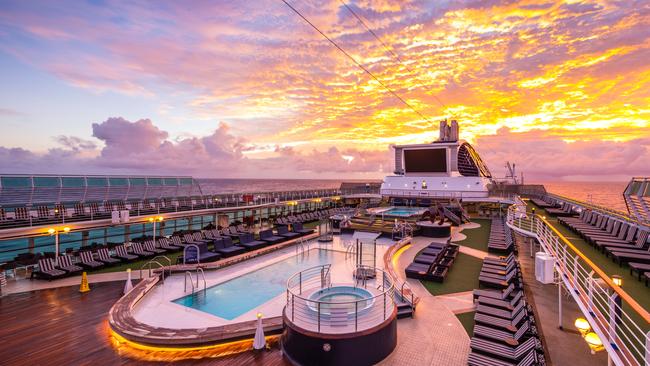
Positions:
{"x": 56, "y": 232}
{"x": 618, "y": 280}
{"x": 594, "y": 342}
{"x": 582, "y": 325}
{"x": 153, "y": 220}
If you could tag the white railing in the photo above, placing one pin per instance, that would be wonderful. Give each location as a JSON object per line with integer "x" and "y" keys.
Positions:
{"x": 309, "y": 311}
{"x": 620, "y": 322}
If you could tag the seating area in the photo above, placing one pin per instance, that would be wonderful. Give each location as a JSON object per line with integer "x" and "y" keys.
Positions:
{"x": 212, "y": 245}
{"x": 622, "y": 241}
{"x": 504, "y": 330}
{"x": 434, "y": 262}
{"x": 500, "y": 240}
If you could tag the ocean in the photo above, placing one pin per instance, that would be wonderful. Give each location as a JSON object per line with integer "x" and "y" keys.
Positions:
{"x": 609, "y": 194}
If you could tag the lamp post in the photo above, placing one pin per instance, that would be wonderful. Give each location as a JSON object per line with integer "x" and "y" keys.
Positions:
{"x": 153, "y": 220}
{"x": 55, "y": 232}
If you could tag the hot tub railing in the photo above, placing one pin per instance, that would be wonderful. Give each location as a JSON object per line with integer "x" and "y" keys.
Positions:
{"x": 336, "y": 317}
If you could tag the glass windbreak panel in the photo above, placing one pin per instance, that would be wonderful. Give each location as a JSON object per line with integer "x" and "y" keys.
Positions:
{"x": 115, "y": 234}
{"x": 118, "y": 182}
{"x": 16, "y": 182}
{"x": 196, "y": 224}
{"x": 169, "y": 229}
{"x": 154, "y": 181}
{"x": 96, "y": 236}
{"x": 171, "y": 181}
{"x": 44, "y": 244}
{"x": 186, "y": 181}
{"x": 634, "y": 188}
{"x": 46, "y": 181}
{"x": 137, "y": 181}
{"x": 72, "y": 181}
{"x": 181, "y": 224}
{"x": 96, "y": 182}
{"x": 9, "y": 249}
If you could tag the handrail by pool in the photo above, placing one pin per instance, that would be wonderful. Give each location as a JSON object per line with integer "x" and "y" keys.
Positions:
{"x": 332, "y": 317}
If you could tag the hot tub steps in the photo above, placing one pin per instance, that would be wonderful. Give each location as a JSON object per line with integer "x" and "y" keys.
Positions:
{"x": 404, "y": 309}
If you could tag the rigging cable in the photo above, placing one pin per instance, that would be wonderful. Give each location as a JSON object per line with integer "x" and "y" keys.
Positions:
{"x": 356, "y": 62}
{"x": 389, "y": 49}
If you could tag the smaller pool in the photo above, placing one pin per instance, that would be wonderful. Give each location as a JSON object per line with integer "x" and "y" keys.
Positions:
{"x": 341, "y": 299}
{"x": 403, "y": 211}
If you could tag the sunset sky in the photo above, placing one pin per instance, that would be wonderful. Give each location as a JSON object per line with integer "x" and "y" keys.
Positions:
{"x": 248, "y": 89}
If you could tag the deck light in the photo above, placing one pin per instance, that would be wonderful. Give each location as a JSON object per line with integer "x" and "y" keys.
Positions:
{"x": 66, "y": 229}
{"x": 583, "y": 325}
{"x": 594, "y": 342}
{"x": 151, "y": 219}
{"x": 51, "y": 231}
{"x": 618, "y": 280}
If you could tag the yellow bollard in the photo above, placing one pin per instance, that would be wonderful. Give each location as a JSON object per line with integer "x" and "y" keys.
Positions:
{"x": 84, "y": 283}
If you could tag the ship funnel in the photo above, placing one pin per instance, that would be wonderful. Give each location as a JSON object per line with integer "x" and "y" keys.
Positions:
{"x": 448, "y": 133}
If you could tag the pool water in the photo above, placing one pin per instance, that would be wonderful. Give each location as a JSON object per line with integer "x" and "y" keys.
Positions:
{"x": 403, "y": 211}
{"x": 242, "y": 294}
{"x": 341, "y": 298}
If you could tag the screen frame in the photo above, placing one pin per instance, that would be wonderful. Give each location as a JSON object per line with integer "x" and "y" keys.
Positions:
{"x": 406, "y": 151}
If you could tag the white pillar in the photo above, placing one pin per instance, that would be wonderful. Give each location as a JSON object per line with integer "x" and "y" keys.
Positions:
{"x": 559, "y": 303}
{"x": 56, "y": 247}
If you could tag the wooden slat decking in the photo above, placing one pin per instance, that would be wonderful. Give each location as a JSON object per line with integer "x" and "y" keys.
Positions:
{"x": 64, "y": 327}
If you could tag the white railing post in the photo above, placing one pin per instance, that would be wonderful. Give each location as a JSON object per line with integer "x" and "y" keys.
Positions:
{"x": 590, "y": 279}
{"x": 614, "y": 301}
{"x": 647, "y": 349}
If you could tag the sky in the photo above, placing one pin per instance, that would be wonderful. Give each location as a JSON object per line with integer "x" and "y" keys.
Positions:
{"x": 228, "y": 89}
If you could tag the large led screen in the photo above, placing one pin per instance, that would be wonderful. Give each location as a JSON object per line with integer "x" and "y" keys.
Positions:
{"x": 425, "y": 161}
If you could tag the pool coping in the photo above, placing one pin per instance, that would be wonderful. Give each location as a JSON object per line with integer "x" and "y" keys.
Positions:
{"x": 121, "y": 317}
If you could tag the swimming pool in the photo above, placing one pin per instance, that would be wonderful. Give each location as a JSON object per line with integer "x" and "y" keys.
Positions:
{"x": 241, "y": 294}
{"x": 403, "y": 211}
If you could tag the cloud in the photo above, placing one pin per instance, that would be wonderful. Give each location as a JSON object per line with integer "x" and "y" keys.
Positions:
{"x": 541, "y": 156}
{"x": 140, "y": 147}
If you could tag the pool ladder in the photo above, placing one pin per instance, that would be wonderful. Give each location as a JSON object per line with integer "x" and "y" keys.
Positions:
{"x": 189, "y": 274}
{"x": 302, "y": 246}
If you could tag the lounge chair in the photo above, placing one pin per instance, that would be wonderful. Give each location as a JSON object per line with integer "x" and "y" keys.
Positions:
{"x": 268, "y": 237}
{"x": 503, "y": 336}
{"x": 284, "y": 231}
{"x": 495, "y": 294}
{"x": 226, "y": 248}
{"x": 166, "y": 245}
{"x": 298, "y": 228}
{"x": 150, "y": 247}
{"x": 87, "y": 260}
{"x": 501, "y": 313}
{"x": 478, "y": 359}
{"x": 504, "y": 304}
{"x": 507, "y": 324}
{"x": 104, "y": 257}
{"x": 65, "y": 263}
{"x": 47, "y": 270}
{"x": 137, "y": 249}
{"x": 497, "y": 349}
{"x": 122, "y": 254}
{"x": 248, "y": 241}
{"x": 638, "y": 267}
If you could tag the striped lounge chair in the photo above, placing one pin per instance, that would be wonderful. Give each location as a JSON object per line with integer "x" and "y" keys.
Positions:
{"x": 47, "y": 270}
{"x": 87, "y": 260}
{"x": 138, "y": 250}
{"x": 122, "y": 254}
{"x": 65, "y": 263}
{"x": 104, "y": 257}
{"x": 150, "y": 247}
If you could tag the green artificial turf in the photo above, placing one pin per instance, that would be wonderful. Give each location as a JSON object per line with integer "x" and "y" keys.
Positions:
{"x": 467, "y": 320}
{"x": 462, "y": 277}
{"x": 477, "y": 238}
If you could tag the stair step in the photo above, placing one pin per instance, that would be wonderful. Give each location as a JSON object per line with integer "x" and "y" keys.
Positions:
{"x": 404, "y": 313}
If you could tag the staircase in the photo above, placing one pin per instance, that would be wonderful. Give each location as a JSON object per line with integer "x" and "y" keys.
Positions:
{"x": 404, "y": 308}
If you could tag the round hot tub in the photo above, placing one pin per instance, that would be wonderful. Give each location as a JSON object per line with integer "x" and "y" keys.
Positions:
{"x": 341, "y": 299}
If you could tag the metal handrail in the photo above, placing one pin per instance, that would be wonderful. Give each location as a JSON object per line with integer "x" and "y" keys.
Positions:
{"x": 149, "y": 265}
{"x": 199, "y": 269}
{"x": 626, "y": 341}
{"x": 343, "y": 316}
{"x": 169, "y": 261}
{"x": 188, "y": 273}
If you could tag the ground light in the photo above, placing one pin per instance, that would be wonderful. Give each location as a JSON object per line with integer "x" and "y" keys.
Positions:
{"x": 582, "y": 325}
{"x": 592, "y": 339}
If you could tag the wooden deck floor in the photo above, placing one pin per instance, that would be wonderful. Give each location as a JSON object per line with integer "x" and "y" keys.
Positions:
{"x": 63, "y": 327}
